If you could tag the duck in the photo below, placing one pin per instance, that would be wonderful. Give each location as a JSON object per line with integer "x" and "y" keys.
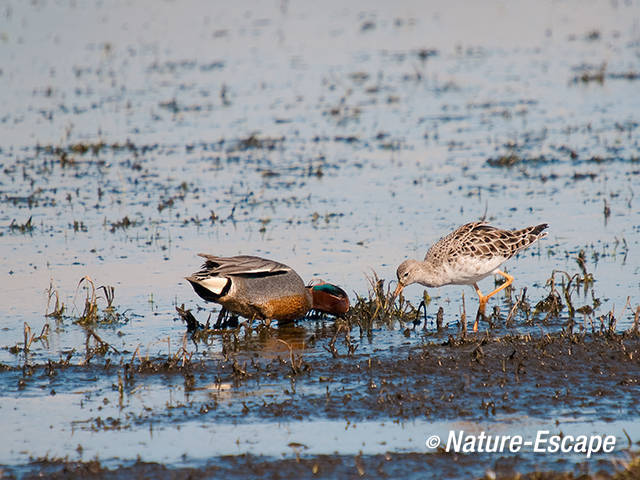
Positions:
{"x": 259, "y": 288}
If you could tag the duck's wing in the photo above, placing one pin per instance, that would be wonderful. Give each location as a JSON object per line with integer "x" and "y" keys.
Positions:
{"x": 241, "y": 265}
{"x": 215, "y": 276}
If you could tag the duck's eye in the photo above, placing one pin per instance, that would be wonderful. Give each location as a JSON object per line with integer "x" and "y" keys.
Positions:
{"x": 406, "y": 274}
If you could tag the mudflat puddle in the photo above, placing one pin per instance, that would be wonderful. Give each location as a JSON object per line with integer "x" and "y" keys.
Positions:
{"x": 194, "y": 443}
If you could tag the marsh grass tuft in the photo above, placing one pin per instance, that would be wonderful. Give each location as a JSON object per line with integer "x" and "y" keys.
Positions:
{"x": 58, "y": 308}
{"x": 91, "y": 314}
{"x": 578, "y": 283}
{"x": 98, "y": 347}
{"x": 634, "y": 329}
{"x": 26, "y": 227}
{"x": 351, "y": 346}
{"x": 30, "y": 337}
{"x": 123, "y": 224}
{"x": 295, "y": 361}
{"x": 377, "y": 308}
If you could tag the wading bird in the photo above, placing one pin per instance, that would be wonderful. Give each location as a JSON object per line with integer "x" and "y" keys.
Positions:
{"x": 466, "y": 256}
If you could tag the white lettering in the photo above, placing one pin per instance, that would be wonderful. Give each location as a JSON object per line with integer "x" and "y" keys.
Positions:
{"x": 481, "y": 438}
{"x": 554, "y": 444}
{"x": 565, "y": 445}
{"x": 469, "y": 444}
{"x": 597, "y": 440}
{"x": 609, "y": 444}
{"x": 581, "y": 444}
{"x": 540, "y": 441}
{"x": 496, "y": 442}
{"x": 515, "y": 444}
{"x": 454, "y": 444}
{"x": 587, "y": 445}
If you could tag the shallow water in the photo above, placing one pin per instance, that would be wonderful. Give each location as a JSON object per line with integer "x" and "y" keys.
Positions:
{"x": 339, "y": 139}
{"x": 194, "y": 443}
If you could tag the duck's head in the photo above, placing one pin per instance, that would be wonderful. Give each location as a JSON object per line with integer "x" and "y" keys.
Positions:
{"x": 406, "y": 274}
{"x": 329, "y": 298}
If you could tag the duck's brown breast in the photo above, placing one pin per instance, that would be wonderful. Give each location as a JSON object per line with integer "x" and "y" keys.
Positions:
{"x": 287, "y": 308}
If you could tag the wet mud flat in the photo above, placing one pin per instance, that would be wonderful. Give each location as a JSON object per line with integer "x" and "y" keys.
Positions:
{"x": 476, "y": 381}
{"x": 391, "y": 465}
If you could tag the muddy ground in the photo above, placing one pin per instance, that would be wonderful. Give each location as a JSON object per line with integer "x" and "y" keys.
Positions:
{"x": 476, "y": 378}
{"x": 392, "y": 465}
